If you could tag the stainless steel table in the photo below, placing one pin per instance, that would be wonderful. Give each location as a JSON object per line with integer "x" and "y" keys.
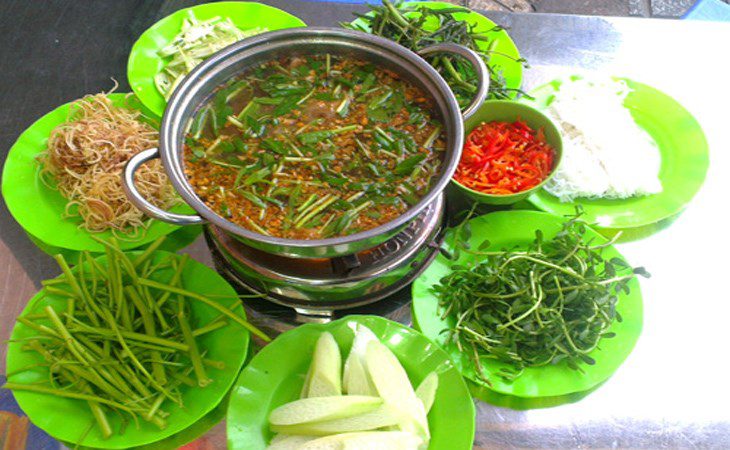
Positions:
{"x": 671, "y": 392}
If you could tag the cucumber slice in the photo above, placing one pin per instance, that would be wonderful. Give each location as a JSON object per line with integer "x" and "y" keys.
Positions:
{"x": 426, "y": 391}
{"x": 368, "y": 440}
{"x": 395, "y": 388}
{"x": 323, "y": 408}
{"x": 384, "y": 416}
{"x": 324, "y": 378}
{"x": 285, "y": 442}
{"x": 355, "y": 378}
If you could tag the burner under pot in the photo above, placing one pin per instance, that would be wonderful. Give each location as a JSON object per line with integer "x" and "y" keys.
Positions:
{"x": 317, "y": 285}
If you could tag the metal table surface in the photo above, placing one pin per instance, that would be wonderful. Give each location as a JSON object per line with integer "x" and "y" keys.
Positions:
{"x": 671, "y": 392}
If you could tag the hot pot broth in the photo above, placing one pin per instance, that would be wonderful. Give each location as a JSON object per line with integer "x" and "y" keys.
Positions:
{"x": 314, "y": 147}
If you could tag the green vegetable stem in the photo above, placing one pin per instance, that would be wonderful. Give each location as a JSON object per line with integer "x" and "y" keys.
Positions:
{"x": 418, "y": 27}
{"x": 119, "y": 338}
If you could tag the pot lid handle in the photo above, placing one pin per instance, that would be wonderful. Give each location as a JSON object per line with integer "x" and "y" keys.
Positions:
{"x": 481, "y": 70}
{"x": 140, "y": 202}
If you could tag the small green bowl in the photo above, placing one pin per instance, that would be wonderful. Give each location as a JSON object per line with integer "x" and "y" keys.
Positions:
{"x": 509, "y": 111}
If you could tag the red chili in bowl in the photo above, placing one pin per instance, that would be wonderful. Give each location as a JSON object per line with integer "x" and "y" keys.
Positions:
{"x": 502, "y": 158}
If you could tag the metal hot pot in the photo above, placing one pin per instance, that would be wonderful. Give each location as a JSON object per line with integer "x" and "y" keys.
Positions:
{"x": 235, "y": 59}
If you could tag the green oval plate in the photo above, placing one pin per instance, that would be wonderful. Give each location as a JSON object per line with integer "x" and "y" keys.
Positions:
{"x": 175, "y": 241}
{"x": 144, "y": 63}
{"x": 507, "y": 229}
{"x": 66, "y": 419}
{"x": 684, "y": 152}
{"x": 506, "y": 55}
{"x": 39, "y": 209}
{"x": 275, "y": 376}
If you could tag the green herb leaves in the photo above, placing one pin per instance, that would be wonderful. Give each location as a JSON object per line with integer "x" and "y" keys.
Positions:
{"x": 407, "y": 165}
{"x": 314, "y": 137}
{"x": 552, "y": 302}
{"x": 406, "y": 25}
{"x": 385, "y": 106}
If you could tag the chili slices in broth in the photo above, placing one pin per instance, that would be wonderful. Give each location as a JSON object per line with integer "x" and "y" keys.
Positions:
{"x": 314, "y": 147}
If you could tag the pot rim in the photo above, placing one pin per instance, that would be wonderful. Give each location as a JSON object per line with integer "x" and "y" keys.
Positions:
{"x": 174, "y": 123}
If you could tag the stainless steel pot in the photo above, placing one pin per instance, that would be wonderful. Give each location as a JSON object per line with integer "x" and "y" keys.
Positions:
{"x": 201, "y": 83}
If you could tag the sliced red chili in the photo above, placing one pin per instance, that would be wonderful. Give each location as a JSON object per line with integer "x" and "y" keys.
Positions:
{"x": 504, "y": 158}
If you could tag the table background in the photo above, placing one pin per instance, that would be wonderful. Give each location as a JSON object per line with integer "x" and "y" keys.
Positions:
{"x": 672, "y": 392}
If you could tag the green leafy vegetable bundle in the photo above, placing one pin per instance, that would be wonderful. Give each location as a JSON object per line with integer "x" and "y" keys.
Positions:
{"x": 418, "y": 27}
{"x": 553, "y": 301}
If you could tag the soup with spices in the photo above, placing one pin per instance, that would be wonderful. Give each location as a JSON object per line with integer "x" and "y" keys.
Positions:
{"x": 314, "y": 147}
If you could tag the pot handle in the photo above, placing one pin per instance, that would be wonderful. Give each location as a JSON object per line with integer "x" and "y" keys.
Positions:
{"x": 140, "y": 202}
{"x": 479, "y": 66}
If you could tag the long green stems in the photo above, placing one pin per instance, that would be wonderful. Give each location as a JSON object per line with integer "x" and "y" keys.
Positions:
{"x": 195, "y": 359}
{"x": 239, "y": 320}
{"x": 63, "y": 393}
{"x": 112, "y": 336}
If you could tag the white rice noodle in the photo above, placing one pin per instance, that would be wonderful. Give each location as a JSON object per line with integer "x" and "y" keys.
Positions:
{"x": 605, "y": 153}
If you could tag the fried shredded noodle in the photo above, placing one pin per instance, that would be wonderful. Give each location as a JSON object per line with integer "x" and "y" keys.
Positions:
{"x": 85, "y": 158}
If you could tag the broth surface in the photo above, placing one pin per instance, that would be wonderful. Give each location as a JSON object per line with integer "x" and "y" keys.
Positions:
{"x": 314, "y": 147}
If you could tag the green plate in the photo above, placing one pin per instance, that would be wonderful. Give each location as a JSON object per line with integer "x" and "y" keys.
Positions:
{"x": 507, "y": 229}
{"x": 65, "y": 419}
{"x": 175, "y": 241}
{"x": 193, "y": 432}
{"x": 506, "y": 55}
{"x": 144, "y": 63}
{"x": 40, "y": 209}
{"x": 186, "y": 436}
{"x": 684, "y": 152}
{"x": 275, "y": 376}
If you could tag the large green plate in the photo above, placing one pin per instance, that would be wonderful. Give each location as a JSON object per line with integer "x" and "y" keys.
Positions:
{"x": 186, "y": 436}
{"x": 40, "y": 209}
{"x": 508, "y": 229}
{"x": 275, "y": 376}
{"x": 684, "y": 152}
{"x": 144, "y": 63}
{"x": 173, "y": 242}
{"x": 66, "y": 419}
{"x": 505, "y": 55}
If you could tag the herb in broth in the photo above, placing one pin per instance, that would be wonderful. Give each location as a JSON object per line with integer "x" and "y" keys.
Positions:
{"x": 314, "y": 147}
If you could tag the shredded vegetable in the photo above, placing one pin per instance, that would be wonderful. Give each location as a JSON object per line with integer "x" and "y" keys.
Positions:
{"x": 85, "y": 158}
{"x": 197, "y": 40}
{"x": 503, "y": 158}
